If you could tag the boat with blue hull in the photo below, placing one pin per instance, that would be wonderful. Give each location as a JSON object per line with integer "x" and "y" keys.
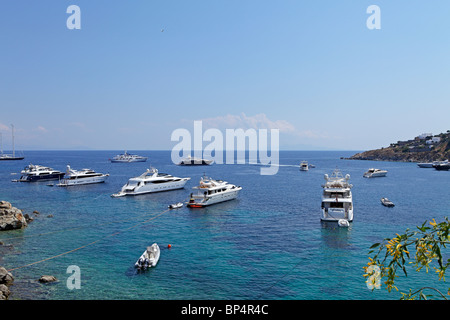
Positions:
{"x": 32, "y": 173}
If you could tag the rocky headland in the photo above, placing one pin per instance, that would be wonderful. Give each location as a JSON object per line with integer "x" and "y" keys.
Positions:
{"x": 10, "y": 217}
{"x": 423, "y": 148}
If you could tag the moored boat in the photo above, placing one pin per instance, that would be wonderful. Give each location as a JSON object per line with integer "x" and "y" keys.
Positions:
{"x": 83, "y": 176}
{"x": 337, "y": 201}
{"x": 374, "y": 173}
{"x": 442, "y": 165}
{"x": 212, "y": 191}
{"x": 176, "y": 205}
{"x": 151, "y": 181}
{"x": 127, "y": 157}
{"x": 33, "y": 173}
{"x": 191, "y": 161}
{"x": 149, "y": 258}
{"x": 13, "y": 156}
{"x": 343, "y": 223}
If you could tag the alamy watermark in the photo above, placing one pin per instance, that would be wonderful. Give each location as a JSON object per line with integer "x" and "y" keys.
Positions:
{"x": 235, "y": 145}
{"x": 74, "y": 280}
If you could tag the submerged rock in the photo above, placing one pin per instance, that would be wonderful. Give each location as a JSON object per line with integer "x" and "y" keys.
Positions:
{"x": 10, "y": 217}
{"x": 46, "y": 279}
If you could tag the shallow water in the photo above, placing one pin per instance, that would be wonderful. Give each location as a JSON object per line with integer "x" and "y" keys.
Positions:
{"x": 267, "y": 244}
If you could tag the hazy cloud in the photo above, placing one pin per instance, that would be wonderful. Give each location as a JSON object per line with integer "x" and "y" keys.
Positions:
{"x": 259, "y": 121}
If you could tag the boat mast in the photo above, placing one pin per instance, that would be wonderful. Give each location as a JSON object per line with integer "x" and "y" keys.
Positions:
{"x": 14, "y": 151}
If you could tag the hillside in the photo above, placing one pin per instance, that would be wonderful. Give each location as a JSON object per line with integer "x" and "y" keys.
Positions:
{"x": 424, "y": 148}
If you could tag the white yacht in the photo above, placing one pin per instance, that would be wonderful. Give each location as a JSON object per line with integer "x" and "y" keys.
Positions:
{"x": 374, "y": 173}
{"x": 151, "y": 181}
{"x": 211, "y": 191}
{"x": 39, "y": 173}
{"x": 304, "y": 166}
{"x": 337, "y": 200}
{"x": 190, "y": 161}
{"x": 126, "y": 157}
{"x": 83, "y": 176}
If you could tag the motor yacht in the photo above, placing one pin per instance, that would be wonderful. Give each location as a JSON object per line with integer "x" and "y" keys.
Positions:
{"x": 127, "y": 157}
{"x": 83, "y": 176}
{"x": 304, "y": 166}
{"x": 151, "y": 181}
{"x": 191, "y": 161}
{"x": 33, "y": 173}
{"x": 337, "y": 202}
{"x": 211, "y": 191}
{"x": 442, "y": 165}
{"x": 374, "y": 173}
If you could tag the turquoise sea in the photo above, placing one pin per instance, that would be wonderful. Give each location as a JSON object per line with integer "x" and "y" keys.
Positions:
{"x": 267, "y": 244}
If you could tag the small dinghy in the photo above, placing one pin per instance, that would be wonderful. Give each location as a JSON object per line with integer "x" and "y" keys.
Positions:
{"x": 343, "y": 223}
{"x": 176, "y": 205}
{"x": 149, "y": 258}
{"x": 387, "y": 203}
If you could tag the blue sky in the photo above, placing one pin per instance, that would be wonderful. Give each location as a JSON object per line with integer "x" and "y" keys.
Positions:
{"x": 137, "y": 70}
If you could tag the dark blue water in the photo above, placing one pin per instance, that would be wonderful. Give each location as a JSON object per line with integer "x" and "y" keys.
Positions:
{"x": 267, "y": 244}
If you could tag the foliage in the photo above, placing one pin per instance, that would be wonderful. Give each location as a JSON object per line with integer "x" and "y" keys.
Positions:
{"x": 428, "y": 243}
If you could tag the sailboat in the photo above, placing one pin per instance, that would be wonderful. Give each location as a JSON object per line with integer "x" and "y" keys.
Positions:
{"x": 4, "y": 156}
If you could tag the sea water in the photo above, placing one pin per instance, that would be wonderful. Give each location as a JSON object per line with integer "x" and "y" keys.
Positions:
{"x": 267, "y": 244}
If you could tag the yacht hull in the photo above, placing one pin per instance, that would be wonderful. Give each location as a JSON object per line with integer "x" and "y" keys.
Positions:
{"x": 46, "y": 177}
{"x": 128, "y": 161}
{"x": 151, "y": 188}
{"x": 200, "y": 202}
{"x": 81, "y": 181}
{"x": 328, "y": 215}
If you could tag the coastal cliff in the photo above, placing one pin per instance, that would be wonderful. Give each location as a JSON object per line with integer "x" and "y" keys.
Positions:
{"x": 424, "y": 148}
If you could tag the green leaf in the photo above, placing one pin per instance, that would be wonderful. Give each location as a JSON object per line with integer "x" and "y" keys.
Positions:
{"x": 374, "y": 245}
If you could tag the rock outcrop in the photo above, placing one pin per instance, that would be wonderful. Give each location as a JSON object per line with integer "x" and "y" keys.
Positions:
{"x": 6, "y": 279}
{"x": 10, "y": 217}
{"x": 415, "y": 150}
{"x": 47, "y": 279}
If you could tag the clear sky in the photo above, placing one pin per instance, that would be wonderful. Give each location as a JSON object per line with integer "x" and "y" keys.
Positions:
{"x": 137, "y": 70}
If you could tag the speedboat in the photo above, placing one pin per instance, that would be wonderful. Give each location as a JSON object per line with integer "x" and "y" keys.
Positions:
{"x": 126, "y": 157}
{"x": 33, "y": 173}
{"x": 190, "y": 161}
{"x": 304, "y": 166}
{"x": 151, "y": 181}
{"x": 373, "y": 173}
{"x": 337, "y": 202}
{"x": 176, "y": 205}
{"x": 387, "y": 203}
{"x": 83, "y": 176}
{"x": 211, "y": 191}
{"x": 149, "y": 258}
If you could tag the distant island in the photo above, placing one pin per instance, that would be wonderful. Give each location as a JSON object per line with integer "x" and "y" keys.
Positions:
{"x": 423, "y": 148}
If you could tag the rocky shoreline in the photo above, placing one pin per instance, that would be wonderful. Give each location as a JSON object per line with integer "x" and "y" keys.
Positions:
{"x": 12, "y": 218}
{"x": 419, "y": 149}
